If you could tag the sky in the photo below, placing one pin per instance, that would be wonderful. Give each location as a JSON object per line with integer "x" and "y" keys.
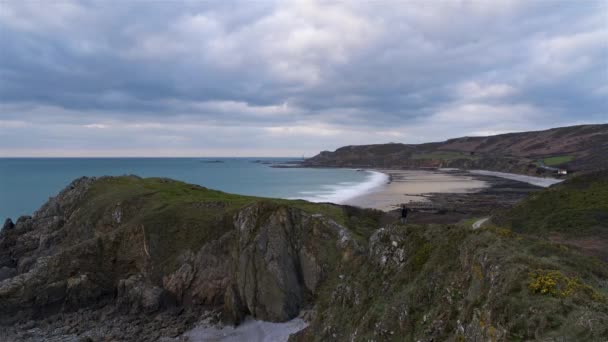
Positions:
{"x": 291, "y": 78}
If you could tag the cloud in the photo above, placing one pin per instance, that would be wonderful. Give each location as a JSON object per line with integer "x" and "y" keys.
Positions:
{"x": 291, "y": 77}
{"x": 474, "y": 90}
{"x": 96, "y": 126}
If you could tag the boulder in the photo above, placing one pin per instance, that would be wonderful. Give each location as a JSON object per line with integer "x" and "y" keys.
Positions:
{"x": 135, "y": 294}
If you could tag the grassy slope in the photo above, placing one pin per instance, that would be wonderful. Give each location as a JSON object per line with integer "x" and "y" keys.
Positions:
{"x": 577, "y": 207}
{"x": 499, "y": 285}
{"x": 177, "y": 216}
{"x": 443, "y": 155}
{"x": 558, "y": 160}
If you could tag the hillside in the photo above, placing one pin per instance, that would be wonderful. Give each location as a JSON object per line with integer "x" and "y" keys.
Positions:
{"x": 149, "y": 258}
{"x": 577, "y": 148}
{"x": 573, "y": 212}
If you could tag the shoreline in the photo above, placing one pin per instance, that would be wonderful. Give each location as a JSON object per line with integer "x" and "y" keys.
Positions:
{"x": 427, "y": 188}
{"x": 414, "y": 186}
{"x": 342, "y": 194}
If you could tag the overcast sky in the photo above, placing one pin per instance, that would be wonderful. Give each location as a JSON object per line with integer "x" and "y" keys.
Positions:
{"x": 291, "y": 78}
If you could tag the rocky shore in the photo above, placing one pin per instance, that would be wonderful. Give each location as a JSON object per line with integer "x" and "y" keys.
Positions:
{"x": 447, "y": 196}
{"x": 499, "y": 194}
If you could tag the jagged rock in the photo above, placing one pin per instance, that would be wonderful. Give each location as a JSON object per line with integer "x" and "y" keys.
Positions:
{"x": 203, "y": 276}
{"x": 279, "y": 258}
{"x": 135, "y": 295}
{"x": 23, "y": 218}
{"x": 386, "y": 248}
{"x": 268, "y": 274}
{"x": 8, "y": 224}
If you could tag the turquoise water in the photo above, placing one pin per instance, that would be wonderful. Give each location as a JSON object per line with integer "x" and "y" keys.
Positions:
{"x": 26, "y": 183}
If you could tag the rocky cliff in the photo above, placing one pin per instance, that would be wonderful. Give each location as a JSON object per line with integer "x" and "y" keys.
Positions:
{"x": 142, "y": 246}
{"x": 126, "y": 258}
{"x": 577, "y": 148}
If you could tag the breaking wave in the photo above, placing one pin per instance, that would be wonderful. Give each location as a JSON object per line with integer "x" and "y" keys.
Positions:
{"x": 344, "y": 191}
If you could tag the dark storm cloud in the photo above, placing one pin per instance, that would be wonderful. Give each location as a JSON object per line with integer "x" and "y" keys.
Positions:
{"x": 304, "y": 75}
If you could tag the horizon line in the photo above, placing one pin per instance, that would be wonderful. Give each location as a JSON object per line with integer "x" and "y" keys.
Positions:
{"x": 156, "y": 157}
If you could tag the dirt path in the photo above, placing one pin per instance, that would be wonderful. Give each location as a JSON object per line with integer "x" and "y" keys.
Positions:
{"x": 480, "y": 222}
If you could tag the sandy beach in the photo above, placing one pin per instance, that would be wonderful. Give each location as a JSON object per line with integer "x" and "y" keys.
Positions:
{"x": 406, "y": 186}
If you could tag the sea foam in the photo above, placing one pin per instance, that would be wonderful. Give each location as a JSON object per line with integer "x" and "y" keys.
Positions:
{"x": 344, "y": 191}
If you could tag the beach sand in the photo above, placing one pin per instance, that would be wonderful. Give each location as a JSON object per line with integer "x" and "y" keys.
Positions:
{"x": 406, "y": 186}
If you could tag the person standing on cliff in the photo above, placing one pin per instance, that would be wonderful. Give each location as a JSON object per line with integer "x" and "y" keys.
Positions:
{"x": 404, "y": 212}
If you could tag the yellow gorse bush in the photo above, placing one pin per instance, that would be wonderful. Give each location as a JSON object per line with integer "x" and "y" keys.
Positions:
{"x": 553, "y": 283}
{"x": 556, "y": 284}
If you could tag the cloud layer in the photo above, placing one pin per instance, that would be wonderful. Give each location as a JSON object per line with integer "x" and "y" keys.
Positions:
{"x": 291, "y": 77}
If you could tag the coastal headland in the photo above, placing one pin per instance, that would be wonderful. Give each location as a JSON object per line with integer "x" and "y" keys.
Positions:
{"x": 139, "y": 259}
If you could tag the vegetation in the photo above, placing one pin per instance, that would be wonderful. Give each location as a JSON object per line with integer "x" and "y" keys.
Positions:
{"x": 181, "y": 216}
{"x": 577, "y": 207}
{"x": 444, "y": 155}
{"x": 558, "y": 160}
{"x": 556, "y": 284}
{"x": 484, "y": 279}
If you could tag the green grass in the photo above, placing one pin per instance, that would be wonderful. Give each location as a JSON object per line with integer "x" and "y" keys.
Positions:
{"x": 577, "y": 207}
{"x": 165, "y": 193}
{"x": 178, "y": 216}
{"x": 443, "y": 155}
{"x": 558, "y": 160}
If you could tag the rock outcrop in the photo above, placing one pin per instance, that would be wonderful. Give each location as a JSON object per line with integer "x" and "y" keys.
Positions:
{"x": 281, "y": 257}
{"x": 96, "y": 246}
{"x": 8, "y": 224}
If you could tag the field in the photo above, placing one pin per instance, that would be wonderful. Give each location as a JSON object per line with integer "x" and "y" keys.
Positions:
{"x": 553, "y": 161}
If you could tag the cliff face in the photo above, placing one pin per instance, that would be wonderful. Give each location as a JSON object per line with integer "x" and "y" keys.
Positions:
{"x": 579, "y": 148}
{"x": 139, "y": 259}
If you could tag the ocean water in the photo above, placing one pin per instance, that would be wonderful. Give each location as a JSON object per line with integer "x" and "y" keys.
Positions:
{"x": 26, "y": 183}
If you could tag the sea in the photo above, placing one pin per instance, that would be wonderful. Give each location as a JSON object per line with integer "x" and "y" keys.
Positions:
{"x": 26, "y": 183}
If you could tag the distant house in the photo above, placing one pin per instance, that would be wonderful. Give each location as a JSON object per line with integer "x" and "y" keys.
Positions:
{"x": 562, "y": 172}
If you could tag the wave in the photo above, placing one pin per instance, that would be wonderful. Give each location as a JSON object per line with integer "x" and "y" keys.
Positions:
{"x": 344, "y": 191}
